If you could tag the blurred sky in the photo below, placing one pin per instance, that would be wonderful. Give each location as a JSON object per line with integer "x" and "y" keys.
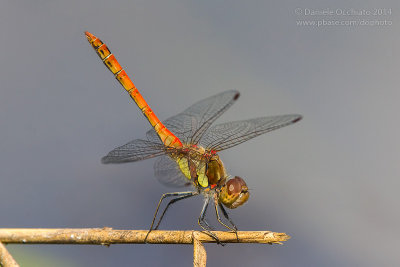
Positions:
{"x": 331, "y": 181}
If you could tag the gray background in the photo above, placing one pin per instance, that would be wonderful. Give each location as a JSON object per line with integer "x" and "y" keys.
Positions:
{"x": 331, "y": 181}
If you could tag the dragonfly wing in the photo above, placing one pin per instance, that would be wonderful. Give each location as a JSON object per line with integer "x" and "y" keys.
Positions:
{"x": 168, "y": 173}
{"x": 190, "y": 125}
{"x": 134, "y": 151}
{"x": 226, "y": 135}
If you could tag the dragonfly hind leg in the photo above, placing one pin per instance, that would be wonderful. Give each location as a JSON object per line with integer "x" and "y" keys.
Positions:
{"x": 172, "y": 201}
{"x": 179, "y": 196}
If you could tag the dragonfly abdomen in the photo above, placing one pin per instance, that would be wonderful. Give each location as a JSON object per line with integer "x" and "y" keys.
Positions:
{"x": 166, "y": 136}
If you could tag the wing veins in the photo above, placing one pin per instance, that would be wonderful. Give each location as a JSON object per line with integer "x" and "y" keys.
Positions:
{"x": 229, "y": 134}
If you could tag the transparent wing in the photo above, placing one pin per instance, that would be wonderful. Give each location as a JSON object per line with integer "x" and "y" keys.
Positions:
{"x": 134, "y": 151}
{"x": 168, "y": 173}
{"x": 226, "y": 135}
{"x": 190, "y": 125}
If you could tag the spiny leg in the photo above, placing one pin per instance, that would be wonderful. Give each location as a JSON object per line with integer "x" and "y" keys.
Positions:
{"x": 204, "y": 225}
{"x": 172, "y": 202}
{"x": 228, "y": 218}
{"x": 211, "y": 228}
{"x": 216, "y": 204}
{"x": 221, "y": 222}
{"x": 175, "y": 194}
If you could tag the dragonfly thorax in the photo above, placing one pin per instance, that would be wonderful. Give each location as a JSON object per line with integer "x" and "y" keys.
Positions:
{"x": 204, "y": 168}
{"x": 207, "y": 171}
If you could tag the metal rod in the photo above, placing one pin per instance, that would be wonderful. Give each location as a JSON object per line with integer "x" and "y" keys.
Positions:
{"x": 108, "y": 236}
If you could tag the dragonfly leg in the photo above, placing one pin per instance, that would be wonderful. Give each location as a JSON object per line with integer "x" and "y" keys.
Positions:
{"x": 211, "y": 228}
{"x": 175, "y": 194}
{"x": 203, "y": 223}
{"x": 191, "y": 194}
{"x": 225, "y": 213}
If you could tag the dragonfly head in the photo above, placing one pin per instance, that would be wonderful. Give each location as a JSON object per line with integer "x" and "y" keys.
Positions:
{"x": 234, "y": 193}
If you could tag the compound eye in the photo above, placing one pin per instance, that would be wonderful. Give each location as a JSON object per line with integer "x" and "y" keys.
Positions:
{"x": 234, "y": 193}
{"x": 235, "y": 185}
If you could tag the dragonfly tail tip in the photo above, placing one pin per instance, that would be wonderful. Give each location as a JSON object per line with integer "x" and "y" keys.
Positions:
{"x": 89, "y": 35}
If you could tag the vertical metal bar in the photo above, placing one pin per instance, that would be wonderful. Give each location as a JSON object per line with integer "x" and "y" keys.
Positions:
{"x": 6, "y": 260}
{"x": 199, "y": 252}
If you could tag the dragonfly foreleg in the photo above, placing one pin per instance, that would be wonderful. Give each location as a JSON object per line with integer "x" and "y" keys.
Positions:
{"x": 204, "y": 224}
{"x": 225, "y": 213}
{"x": 179, "y": 195}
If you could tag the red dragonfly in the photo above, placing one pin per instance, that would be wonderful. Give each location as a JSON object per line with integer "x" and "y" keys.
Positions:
{"x": 187, "y": 145}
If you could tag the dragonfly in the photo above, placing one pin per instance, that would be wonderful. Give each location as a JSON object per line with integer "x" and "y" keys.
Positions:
{"x": 187, "y": 145}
